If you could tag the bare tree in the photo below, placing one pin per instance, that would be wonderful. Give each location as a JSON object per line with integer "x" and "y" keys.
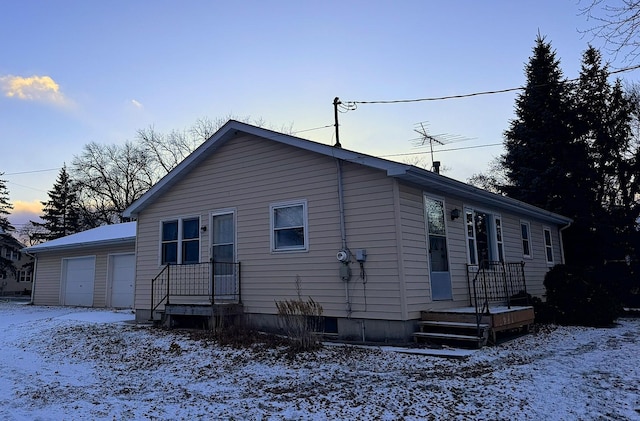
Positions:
{"x": 169, "y": 149}
{"x": 492, "y": 179}
{"x": 110, "y": 178}
{"x": 31, "y": 234}
{"x": 617, "y": 24}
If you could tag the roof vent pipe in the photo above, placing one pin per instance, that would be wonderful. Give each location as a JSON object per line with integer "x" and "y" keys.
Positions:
{"x": 436, "y": 167}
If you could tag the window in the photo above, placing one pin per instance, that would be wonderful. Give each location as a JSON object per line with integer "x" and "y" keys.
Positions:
{"x": 548, "y": 245}
{"x": 471, "y": 238}
{"x": 191, "y": 240}
{"x": 180, "y": 241}
{"x": 24, "y": 276}
{"x": 484, "y": 236}
{"x": 289, "y": 226}
{"x": 525, "y": 230}
{"x": 10, "y": 254}
{"x": 169, "y": 242}
{"x": 499, "y": 244}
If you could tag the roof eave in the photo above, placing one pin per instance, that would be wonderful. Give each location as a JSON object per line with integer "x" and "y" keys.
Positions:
{"x": 453, "y": 187}
{"x": 36, "y": 249}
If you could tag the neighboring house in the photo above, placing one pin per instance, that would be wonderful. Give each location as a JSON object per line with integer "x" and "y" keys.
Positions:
{"x": 377, "y": 243}
{"x": 93, "y": 268}
{"x": 18, "y": 283}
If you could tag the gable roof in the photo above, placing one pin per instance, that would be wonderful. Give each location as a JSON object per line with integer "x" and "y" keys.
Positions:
{"x": 104, "y": 235}
{"x": 418, "y": 176}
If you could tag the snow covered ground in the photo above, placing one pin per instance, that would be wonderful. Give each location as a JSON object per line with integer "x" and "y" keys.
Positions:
{"x": 78, "y": 364}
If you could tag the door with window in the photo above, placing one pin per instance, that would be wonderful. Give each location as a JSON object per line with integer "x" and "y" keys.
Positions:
{"x": 223, "y": 255}
{"x": 438, "y": 253}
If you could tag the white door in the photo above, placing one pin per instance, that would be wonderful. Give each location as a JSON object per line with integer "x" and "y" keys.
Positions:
{"x": 223, "y": 252}
{"x": 438, "y": 253}
{"x": 122, "y": 268}
{"x": 78, "y": 280}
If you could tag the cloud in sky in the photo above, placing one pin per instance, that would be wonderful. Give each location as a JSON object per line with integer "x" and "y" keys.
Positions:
{"x": 24, "y": 211}
{"x": 34, "y": 88}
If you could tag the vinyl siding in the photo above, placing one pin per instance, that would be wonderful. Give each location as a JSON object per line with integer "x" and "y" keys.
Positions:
{"x": 415, "y": 265}
{"x": 248, "y": 175}
{"x": 48, "y": 277}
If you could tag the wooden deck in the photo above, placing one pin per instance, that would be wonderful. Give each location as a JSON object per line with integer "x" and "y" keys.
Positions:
{"x": 461, "y": 324}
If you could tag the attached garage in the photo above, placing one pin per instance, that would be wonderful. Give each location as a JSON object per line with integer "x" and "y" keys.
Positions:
{"x": 93, "y": 268}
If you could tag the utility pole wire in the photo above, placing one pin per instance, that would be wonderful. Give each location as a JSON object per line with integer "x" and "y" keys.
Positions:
{"x": 499, "y": 91}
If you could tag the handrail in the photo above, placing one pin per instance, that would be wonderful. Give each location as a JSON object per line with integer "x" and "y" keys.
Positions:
{"x": 494, "y": 282}
{"x": 153, "y": 282}
{"x": 212, "y": 281}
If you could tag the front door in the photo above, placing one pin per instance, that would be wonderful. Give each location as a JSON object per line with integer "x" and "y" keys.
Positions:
{"x": 438, "y": 254}
{"x": 223, "y": 255}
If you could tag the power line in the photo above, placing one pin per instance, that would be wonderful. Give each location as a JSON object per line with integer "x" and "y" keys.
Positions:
{"x": 31, "y": 172}
{"x": 499, "y": 91}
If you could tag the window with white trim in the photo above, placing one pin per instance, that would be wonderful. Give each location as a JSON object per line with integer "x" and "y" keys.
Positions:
{"x": 180, "y": 241}
{"x": 548, "y": 245}
{"x": 471, "y": 237}
{"x": 484, "y": 236}
{"x": 525, "y": 233}
{"x": 289, "y": 226}
{"x": 24, "y": 276}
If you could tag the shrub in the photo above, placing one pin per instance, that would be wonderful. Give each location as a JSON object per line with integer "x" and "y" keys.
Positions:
{"x": 578, "y": 296}
{"x": 301, "y": 320}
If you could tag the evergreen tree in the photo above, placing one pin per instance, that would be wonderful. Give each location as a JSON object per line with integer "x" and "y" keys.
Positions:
{"x": 544, "y": 164}
{"x": 61, "y": 211}
{"x": 604, "y": 115}
{"x": 5, "y": 207}
{"x": 8, "y": 242}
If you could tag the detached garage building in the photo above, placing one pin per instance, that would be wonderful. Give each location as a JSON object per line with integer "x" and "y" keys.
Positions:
{"x": 93, "y": 268}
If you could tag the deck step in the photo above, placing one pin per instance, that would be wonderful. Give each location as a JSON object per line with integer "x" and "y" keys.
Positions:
{"x": 448, "y": 336}
{"x": 437, "y": 323}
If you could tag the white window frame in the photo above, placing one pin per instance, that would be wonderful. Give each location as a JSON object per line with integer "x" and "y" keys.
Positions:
{"x": 472, "y": 257}
{"x": 499, "y": 234}
{"x": 548, "y": 248}
{"x": 288, "y": 204}
{"x": 24, "y": 276}
{"x": 496, "y": 245}
{"x": 180, "y": 240}
{"x": 528, "y": 240}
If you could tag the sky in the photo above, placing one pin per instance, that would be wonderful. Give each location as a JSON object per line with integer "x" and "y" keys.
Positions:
{"x": 74, "y": 72}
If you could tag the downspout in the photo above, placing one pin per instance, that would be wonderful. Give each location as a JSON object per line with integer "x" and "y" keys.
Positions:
{"x": 33, "y": 278}
{"x": 343, "y": 231}
{"x": 562, "y": 242}
{"x": 343, "y": 235}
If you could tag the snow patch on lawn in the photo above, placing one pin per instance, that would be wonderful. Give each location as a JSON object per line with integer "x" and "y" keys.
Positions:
{"x": 76, "y": 364}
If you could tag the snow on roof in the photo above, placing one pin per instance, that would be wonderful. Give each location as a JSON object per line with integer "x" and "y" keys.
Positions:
{"x": 105, "y": 234}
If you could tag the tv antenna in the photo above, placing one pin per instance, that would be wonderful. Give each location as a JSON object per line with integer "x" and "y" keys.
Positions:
{"x": 438, "y": 139}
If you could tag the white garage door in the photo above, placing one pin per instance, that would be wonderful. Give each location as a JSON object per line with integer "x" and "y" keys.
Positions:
{"x": 122, "y": 268}
{"x": 79, "y": 276}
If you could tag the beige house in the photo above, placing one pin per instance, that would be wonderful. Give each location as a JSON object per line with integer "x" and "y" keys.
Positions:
{"x": 254, "y": 216}
{"x": 18, "y": 283}
{"x": 93, "y": 268}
